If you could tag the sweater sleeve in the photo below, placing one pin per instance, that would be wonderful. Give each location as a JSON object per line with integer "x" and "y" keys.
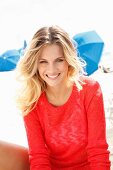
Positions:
{"x": 98, "y": 155}
{"x": 38, "y": 155}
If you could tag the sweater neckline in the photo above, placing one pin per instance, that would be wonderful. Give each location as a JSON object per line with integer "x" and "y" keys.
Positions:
{"x": 47, "y": 103}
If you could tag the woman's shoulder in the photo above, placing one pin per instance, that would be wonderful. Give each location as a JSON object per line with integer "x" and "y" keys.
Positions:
{"x": 41, "y": 99}
{"x": 88, "y": 81}
{"x": 90, "y": 86}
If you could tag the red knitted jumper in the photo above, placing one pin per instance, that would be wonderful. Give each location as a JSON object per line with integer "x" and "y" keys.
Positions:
{"x": 71, "y": 136}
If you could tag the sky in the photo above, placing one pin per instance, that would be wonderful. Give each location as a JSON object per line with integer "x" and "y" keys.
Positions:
{"x": 20, "y": 19}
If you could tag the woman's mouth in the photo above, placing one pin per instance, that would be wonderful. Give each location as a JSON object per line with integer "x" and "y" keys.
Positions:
{"x": 53, "y": 76}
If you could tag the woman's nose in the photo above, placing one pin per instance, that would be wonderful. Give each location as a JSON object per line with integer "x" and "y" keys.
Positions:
{"x": 51, "y": 67}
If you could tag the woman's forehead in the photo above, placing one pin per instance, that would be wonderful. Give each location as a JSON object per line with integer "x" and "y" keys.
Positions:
{"x": 51, "y": 50}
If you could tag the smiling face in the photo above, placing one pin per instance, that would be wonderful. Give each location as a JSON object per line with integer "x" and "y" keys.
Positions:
{"x": 52, "y": 66}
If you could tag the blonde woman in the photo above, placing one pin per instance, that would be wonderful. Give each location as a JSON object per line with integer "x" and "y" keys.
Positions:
{"x": 62, "y": 110}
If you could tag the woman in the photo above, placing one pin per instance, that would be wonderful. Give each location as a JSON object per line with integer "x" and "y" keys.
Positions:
{"x": 63, "y": 110}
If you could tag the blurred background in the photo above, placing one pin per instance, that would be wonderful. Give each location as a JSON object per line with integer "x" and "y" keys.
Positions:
{"x": 20, "y": 19}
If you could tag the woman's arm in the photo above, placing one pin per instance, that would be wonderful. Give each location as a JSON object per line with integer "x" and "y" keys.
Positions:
{"x": 98, "y": 155}
{"x": 13, "y": 157}
{"x": 38, "y": 154}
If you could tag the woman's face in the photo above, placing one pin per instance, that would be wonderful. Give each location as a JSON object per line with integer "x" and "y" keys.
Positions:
{"x": 52, "y": 66}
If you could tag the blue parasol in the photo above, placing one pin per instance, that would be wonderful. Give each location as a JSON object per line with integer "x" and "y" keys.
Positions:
{"x": 10, "y": 58}
{"x": 90, "y": 47}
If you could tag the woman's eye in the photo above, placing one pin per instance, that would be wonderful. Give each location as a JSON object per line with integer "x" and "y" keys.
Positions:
{"x": 60, "y": 60}
{"x": 42, "y": 62}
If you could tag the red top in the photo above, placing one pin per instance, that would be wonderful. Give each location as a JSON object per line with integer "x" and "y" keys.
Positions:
{"x": 71, "y": 136}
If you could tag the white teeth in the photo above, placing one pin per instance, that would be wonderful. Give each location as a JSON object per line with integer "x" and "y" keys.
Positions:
{"x": 52, "y": 76}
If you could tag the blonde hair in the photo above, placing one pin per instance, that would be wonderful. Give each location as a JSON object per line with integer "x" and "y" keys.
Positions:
{"x": 27, "y": 68}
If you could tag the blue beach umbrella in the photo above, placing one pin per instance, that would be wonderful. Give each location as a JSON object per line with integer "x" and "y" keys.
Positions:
{"x": 10, "y": 58}
{"x": 90, "y": 47}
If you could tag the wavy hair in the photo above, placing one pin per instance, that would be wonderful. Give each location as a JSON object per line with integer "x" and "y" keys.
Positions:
{"x": 27, "y": 67}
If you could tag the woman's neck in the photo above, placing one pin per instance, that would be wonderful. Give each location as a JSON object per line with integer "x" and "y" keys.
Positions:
{"x": 59, "y": 95}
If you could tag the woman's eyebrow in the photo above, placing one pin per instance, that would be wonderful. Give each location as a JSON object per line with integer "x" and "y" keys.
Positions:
{"x": 60, "y": 58}
{"x": 42, "y": 59}
{"x": 55, "y": 58}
